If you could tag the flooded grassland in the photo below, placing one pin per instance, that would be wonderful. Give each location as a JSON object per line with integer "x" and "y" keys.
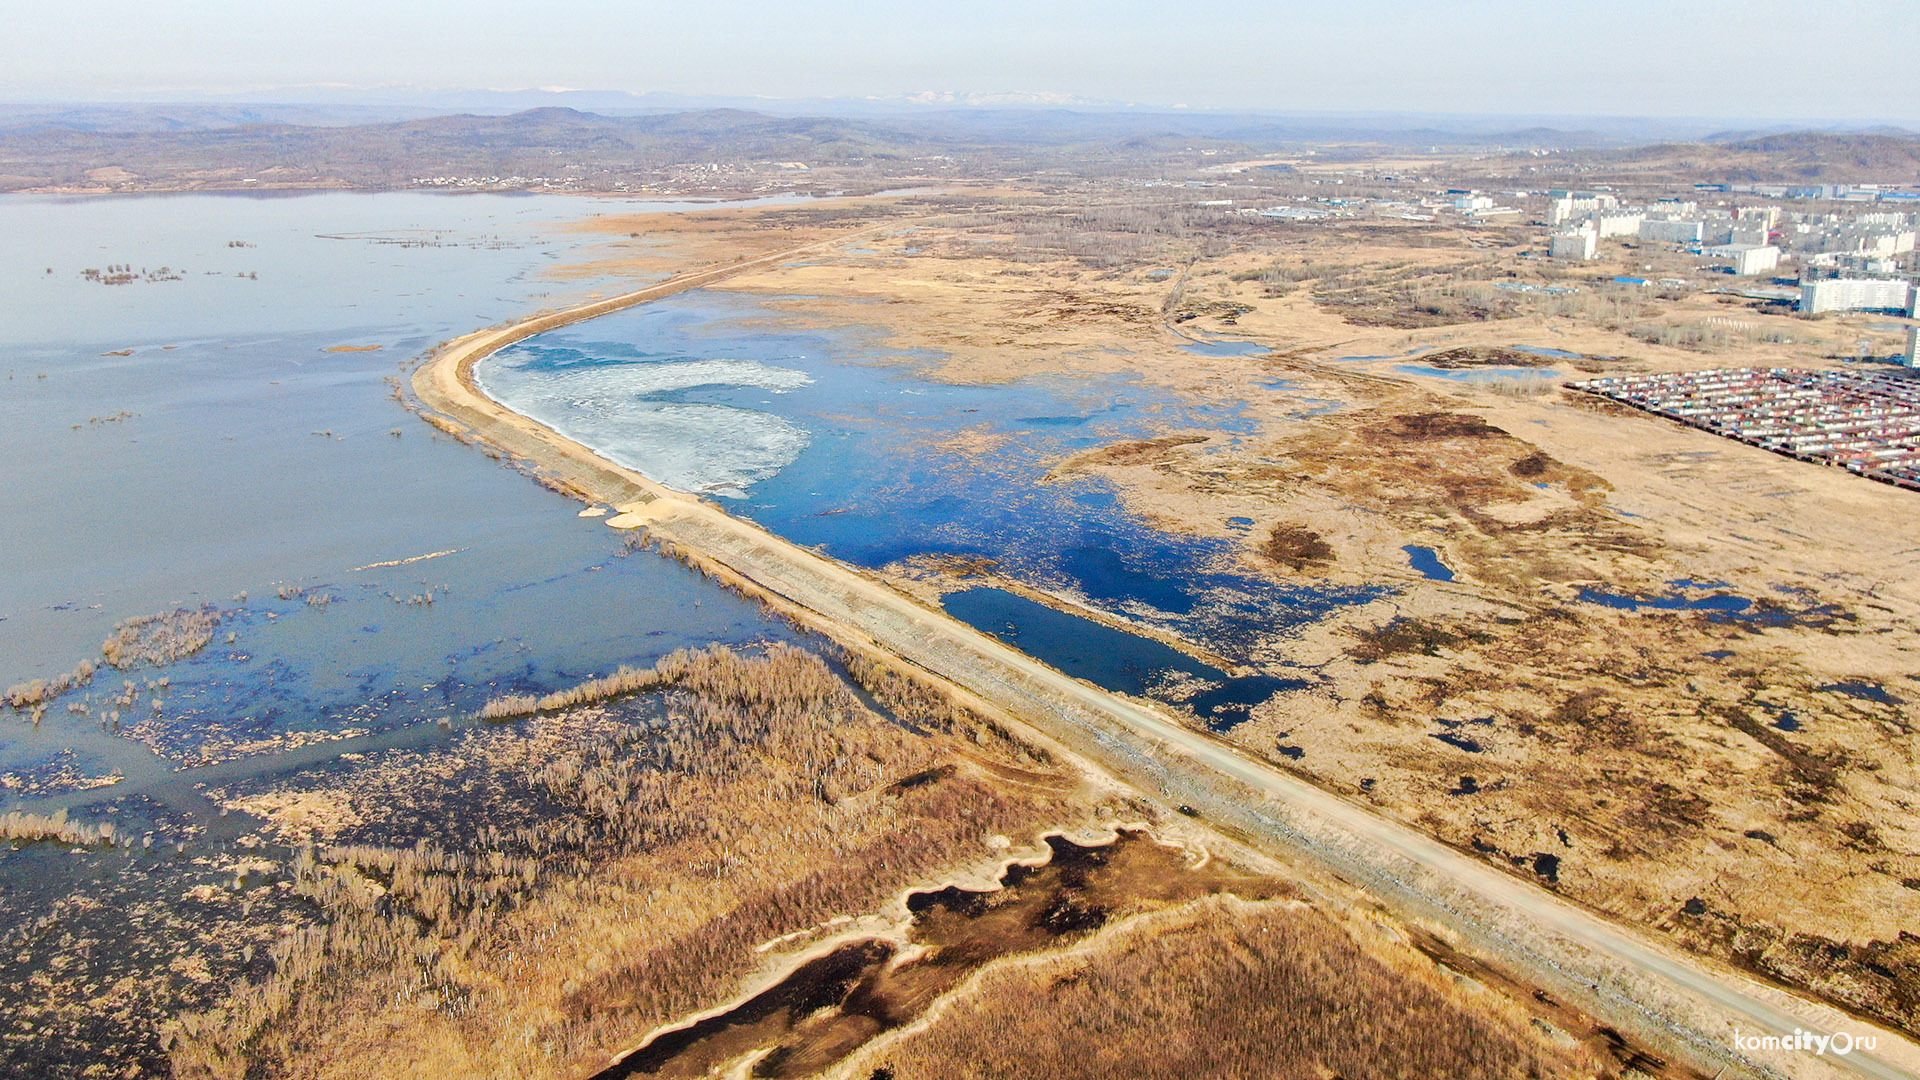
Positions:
{"x": 255, "y": 827}
{"x": 231, "y": 554}
{"x": 1665, "y": 675}
{"x": 785, "y": 863}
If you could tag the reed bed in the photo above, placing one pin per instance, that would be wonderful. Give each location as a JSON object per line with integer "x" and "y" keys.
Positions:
{"x": 24, "y": 828}
{"x": 27, "y": 695}
{"x": 753, "y": 796}
{"x": 156, "y": 639}
{"x": 159, "y": 639}
{"x": 1228, "y": 989}
{"x": 621, "y": 683}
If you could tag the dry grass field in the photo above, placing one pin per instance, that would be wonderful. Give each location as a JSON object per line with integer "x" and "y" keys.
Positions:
{"x": 757, "y": 868}
{"x": 641, "y": 865}
{"x": 1691, "y": 769}
{"x": 1223, "y": 988}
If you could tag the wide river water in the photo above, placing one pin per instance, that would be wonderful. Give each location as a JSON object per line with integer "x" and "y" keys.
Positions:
{"x": 188, "y": 439}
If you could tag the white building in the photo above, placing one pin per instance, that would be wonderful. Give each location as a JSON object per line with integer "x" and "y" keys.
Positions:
{"x": 1872, "y": 241}
{"x": 1673, "y": 209}
{"x": 1671, "y": 232}
{"x": 1745, "y": 259}
{"x": 1565, "y": 206}
{"x": 1892, "y": 242}
{"x": 1912, "y": 359}
{"x": 1473, "y": 202}
{"x": 1580, "y": 243}
{"x": 1716, "y": 231}
{"x": 1611, "y": 223}
{"x": 1855, "y": 294}
{"x": 1854, "y": 264}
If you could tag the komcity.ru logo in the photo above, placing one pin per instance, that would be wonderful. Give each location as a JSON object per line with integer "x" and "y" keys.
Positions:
{"x": 1840, "y": 1042}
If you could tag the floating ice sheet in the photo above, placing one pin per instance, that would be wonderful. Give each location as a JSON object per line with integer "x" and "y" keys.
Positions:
{"x": 628, "y": 411}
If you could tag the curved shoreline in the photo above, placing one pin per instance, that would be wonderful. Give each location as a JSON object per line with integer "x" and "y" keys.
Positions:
{"x": 1685, "y": 1006}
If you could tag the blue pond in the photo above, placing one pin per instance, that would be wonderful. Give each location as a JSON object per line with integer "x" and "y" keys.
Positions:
{"x": 1226, "y": 348}
{"x": 1865, "y": 691}
{"x": 1720, "y": 607}
{"x": 1724, "y": 603}
{"x": 1427, "y": 561}
{"x": 1459, "y": 741}
{"x": 830, "y": 440}
{"x": 1111, "y": 658}
{"x": 1476, "y": 374}
{"x": 1719, "y": 604}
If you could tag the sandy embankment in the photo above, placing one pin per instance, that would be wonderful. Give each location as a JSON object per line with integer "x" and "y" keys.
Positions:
{"x": 1685, "y": 1007}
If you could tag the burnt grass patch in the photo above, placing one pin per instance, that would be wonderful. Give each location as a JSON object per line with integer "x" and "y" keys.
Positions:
{"x": 1406, "y": 636}
{"x": 1428, "y": 426}
{"x": 1297, "y": 548}
{"x": 1474, "y": 356}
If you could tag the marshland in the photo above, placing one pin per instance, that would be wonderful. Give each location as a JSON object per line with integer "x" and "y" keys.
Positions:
{"x": 371, "y": 756}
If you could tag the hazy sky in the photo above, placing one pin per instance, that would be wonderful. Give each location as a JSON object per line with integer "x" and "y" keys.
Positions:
{"x": 1788, "y": 59}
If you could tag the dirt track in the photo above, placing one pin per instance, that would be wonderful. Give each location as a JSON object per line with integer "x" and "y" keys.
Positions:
{"x": 1678, "y": 1005}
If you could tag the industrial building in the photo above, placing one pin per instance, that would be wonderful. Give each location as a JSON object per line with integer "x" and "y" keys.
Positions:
{"x": 1912, "y": 357}
{"x": 1856, "y": 294}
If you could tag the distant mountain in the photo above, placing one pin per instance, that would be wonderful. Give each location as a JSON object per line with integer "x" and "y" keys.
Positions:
{"x": 547, "y": 142}
{"x": 249, "y": 145}
{"x": 337, "y": 105}
{"x": 153, "y": 147}
{"x": 1886, "y": 155}
{"x": 1892, "y": 151}
{"x": 192, "y": 117}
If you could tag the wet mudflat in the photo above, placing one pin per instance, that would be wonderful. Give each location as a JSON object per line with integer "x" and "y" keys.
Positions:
{"x": 831, "y": 1005}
